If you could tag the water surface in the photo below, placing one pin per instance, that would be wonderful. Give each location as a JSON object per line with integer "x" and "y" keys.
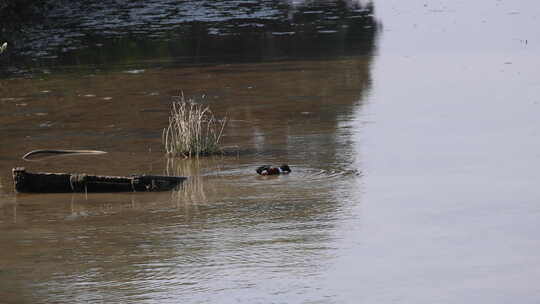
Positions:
{"x": 411, "y": 129}
{"x": 228, "y": 235}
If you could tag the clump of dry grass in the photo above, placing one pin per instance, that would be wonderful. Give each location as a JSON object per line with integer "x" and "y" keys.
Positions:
{"x": 193, "y": 130}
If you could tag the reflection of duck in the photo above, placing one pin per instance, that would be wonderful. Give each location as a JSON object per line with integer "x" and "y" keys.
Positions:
{"x": 269, "y": 170}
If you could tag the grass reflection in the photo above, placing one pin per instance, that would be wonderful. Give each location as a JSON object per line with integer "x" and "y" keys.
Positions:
{"x": 194, "y": 190}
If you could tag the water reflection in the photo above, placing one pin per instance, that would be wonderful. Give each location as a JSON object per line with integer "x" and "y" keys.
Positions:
{"x": 156, "y": 33}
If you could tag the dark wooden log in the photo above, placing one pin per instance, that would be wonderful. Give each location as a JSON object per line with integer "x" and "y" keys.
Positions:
{"x": 27, "y": 182}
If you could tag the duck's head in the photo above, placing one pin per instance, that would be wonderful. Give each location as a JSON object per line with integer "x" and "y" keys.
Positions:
{"x": 285, "y": 168}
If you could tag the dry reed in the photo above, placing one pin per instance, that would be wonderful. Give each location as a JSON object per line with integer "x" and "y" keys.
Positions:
{"x": 193, "y": 130}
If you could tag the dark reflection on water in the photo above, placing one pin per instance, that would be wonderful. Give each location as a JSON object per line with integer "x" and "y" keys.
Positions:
{"x": 108, "y": 34}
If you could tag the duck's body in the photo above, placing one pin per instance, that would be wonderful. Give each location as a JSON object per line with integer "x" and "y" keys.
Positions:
{"x": 269, "y": 170}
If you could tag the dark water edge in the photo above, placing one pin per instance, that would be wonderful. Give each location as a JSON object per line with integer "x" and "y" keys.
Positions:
{"x": 112, "y": 34}
{"x": 18, "y": 12}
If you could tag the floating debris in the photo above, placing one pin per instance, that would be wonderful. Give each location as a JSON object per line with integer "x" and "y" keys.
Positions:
{"x": 46, "y": 124}
{"x": 283, "y": 33}
{"x": 326, "y": 31}
{"x": 49, "y": 152}
{"x": 135, "y": 71}
{"x": 11, "y": 99}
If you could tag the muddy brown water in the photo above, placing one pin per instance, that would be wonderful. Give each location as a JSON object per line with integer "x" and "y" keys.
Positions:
{"x": 414, "y": 161}
{"x": 221, "y": 224}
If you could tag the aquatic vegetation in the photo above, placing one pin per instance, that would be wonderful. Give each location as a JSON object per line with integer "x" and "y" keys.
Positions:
{"x": 193, "y": 130}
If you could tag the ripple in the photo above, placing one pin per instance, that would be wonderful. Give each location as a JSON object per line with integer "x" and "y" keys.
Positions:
{"x": 327, "y": 31}
{"x": 300, "y": 176}
{"x": 283, "y": 33}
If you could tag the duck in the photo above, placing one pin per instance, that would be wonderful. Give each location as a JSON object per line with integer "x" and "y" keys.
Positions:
{"x": 269, "y": 170}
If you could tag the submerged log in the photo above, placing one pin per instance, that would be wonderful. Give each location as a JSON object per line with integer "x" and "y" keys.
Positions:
{"x": 26, "y": 182}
